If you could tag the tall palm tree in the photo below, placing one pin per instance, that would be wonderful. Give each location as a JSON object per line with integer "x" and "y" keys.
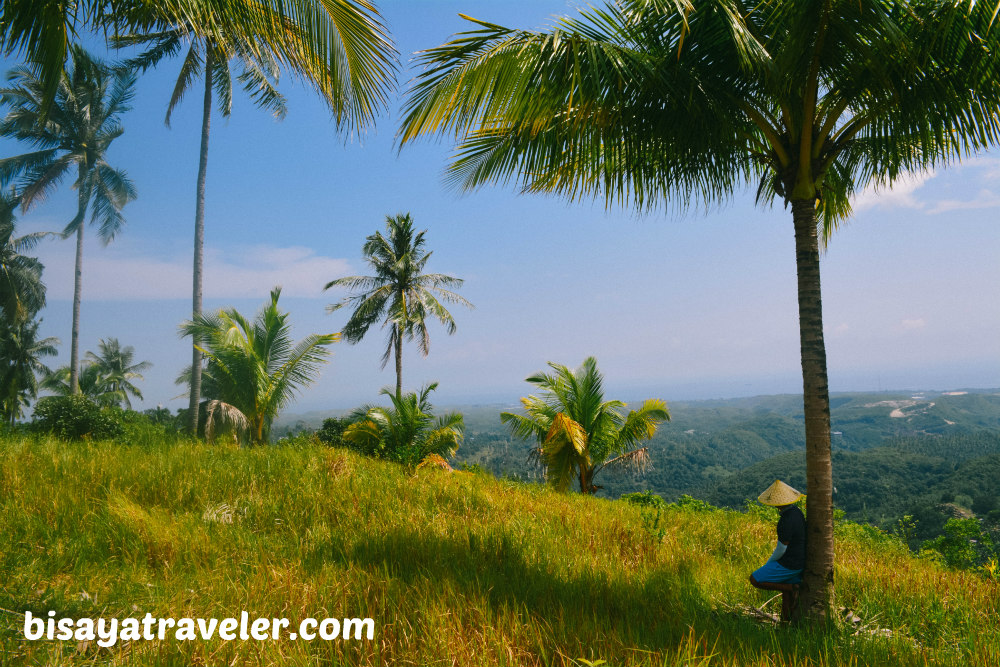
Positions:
{"x": 21, "y": 353}
{"x": 22, "y": 293}
{"x": 580, "y": 434}
{"x": 400, "y": 293}
{"x": 77, "y": 132}
{"x": 116, "y": 365}
{"x": 367, "y": 60}
{"x": 654, "y": 103}
{"x": 405, "y": 432}
{"x": 210, "y": 58}
{"x": 254, "y": 366}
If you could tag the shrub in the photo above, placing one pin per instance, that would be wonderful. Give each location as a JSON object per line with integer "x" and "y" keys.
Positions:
{"x": 764, "y": 512}
{"x": 77, "y": 417}
{"x": 644, "y": 499}
{"x": 332, "y": 431}
{"x": 963, "y": 545}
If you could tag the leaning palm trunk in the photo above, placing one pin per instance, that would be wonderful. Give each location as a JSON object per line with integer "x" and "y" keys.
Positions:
{"x": 818, "y": 575}
{"x": 74, "y": 344}
{"x": 199, "y": 242}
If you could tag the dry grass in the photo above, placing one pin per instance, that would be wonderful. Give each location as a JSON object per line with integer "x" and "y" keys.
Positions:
{"x": 456, "y": 569}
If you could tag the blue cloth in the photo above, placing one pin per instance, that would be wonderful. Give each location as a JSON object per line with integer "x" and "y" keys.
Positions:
{"x": 779, "y": 551}
{"x": 773, "y": 572}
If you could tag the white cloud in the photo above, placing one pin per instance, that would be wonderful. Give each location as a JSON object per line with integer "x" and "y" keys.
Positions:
{"x": 900, "y": 195}
{"x": 840, "y": 329}
{"x": 983, "y": 199}
{"x": 918, "y": 323}
{"x": 123, "y": 273}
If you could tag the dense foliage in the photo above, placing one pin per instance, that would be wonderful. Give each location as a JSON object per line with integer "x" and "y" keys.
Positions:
{"x": 254, "y": 367}
{"x": 406, "y": 431}
{"x": 578, "y": 433}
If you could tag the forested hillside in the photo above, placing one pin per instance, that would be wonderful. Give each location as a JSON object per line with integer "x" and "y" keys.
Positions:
{"x": 894, "y": 454}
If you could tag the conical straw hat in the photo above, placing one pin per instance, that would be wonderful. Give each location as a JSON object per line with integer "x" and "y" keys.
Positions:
{"x": 779, "y": 494}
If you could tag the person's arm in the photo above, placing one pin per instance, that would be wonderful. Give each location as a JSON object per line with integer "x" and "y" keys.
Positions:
{"x": 779, "y": 551}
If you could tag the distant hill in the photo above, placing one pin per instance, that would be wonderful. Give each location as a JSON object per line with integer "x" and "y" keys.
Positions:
{"x": 894, "y": 452}
{"x": 907, "y": 476}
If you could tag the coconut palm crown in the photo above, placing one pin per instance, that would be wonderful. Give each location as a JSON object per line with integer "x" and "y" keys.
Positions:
{"x": 579, "y": 434}
{"x": 341, "y": 47}
{"x": 117, "y": 365}
{"x": 21, "y": 353}
{"x": 406, "y": 431}
{"x": 22, "y": 292}
{"x": 679, "y": 103}
{"x": 254, "y": 366}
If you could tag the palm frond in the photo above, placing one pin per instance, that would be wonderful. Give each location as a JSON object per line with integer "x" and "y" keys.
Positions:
{"x": 220, "y": 414}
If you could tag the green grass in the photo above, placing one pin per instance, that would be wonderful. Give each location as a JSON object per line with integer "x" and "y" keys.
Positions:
{"x": 456, "y": 569}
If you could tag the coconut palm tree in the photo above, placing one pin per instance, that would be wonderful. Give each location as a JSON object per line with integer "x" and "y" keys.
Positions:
{"x": 405, "y": 432}
{"x": 22, "y": 293}
{"x": 367, "y": 60}
{"x": 92, "y": 384}
{"x": 254, "y": 366}
{"x": 21, "y": 353}
{"x": 580, "y": 434}
{"x": 77, "y": 132}
{"x": 652, "y": 103}
{"x": 400, "y": 294}
{"x": 116, "y": 365}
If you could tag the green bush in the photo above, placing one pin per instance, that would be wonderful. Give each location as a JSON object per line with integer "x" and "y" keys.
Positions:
{"x": 964, "y": 545}
{"x": 298, "y": 440}
{"x": 332, "y": 431}
{"x": 77, "y": 417}
{"x": 141, "y": 429}
{"x": 644, "y": 499}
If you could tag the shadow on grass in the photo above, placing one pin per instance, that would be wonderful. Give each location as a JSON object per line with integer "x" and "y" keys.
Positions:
{"x": 660, "y": 612}
{"x": 652, "y": 614}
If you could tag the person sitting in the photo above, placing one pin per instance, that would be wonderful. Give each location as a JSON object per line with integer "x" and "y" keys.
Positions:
{"x": 783, "y": 570}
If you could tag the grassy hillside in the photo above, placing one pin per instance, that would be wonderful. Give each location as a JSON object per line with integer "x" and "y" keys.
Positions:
{"x": 456, "y": 569}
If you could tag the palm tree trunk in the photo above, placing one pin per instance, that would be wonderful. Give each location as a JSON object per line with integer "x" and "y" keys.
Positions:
{"x": 199, "y": 241}
{"x": 74, "y": 344}
{"x": 818, "y": 575}
{"x": 399, "y": 362}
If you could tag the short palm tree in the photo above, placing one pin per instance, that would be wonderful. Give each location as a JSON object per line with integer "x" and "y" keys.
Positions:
{"x": 579, "y": 434}
{"x": 352, "y": 29}
{"x": 77, "y": 132}
{"x": 22, "y": 293}
{"x": 653, "y": 103}
{"x": 407, "y": 431}
{"x": 116, "y": 365}
{"x": 92, "y": 384}
{"x": 400, "y": 294}
{"x": 21, "y": 353}
{"x": 254, "y": 366}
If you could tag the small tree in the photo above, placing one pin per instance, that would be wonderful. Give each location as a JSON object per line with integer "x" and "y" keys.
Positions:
{"x": 254, "y": 368}
{"x": 406, "y": 432}
{"x": 579, "y": 433}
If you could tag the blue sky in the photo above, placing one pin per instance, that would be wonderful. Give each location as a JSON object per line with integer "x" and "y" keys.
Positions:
{"x": 679, "y": 307}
